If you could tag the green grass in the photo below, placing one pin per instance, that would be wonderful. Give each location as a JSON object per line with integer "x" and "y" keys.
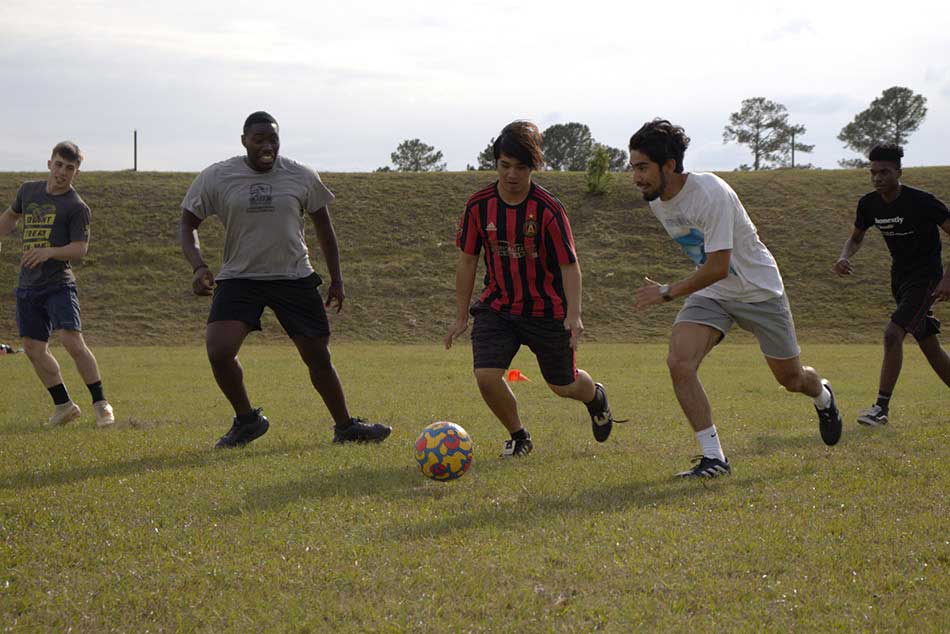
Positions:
{"x": 145, "y": 529}
{"x": 397, "y": 233}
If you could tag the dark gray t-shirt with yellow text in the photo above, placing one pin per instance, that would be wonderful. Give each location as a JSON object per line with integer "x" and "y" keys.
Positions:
{"x": 50, "y": 221}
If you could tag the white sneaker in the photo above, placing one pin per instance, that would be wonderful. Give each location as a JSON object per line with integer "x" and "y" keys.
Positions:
{"x": 104, "y": 415}
{"x": 64, "y": 413}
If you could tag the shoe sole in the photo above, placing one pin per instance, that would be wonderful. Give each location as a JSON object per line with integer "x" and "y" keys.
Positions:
{"x": 867, "y": 422}
{"x": 342, "y": 441}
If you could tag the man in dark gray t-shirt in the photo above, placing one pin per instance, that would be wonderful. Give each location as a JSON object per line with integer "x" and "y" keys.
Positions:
{"x": 55, "y": 231}
{"x": 262, "y": 200}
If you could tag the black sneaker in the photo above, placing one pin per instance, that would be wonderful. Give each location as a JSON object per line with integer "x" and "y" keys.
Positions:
{"x": 242, "y": 433}
{"x": 706, "y": 467}
{"x": 601, "y": 420}
{"x": 359, "y": 430}
{"x": 829, "y": 419}
{"x": 517, "y": 448}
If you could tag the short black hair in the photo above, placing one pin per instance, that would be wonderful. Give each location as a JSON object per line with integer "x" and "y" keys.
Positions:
{"x": 258, "y": 117}
{"x": 69, "y": 151}
{"x": 887, "y": 152}
{"x": 521, "y": 140}
{"x": 661, "y": 141}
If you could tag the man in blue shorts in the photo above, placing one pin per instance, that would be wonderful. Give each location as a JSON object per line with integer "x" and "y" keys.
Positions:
{"x": 55, "y": 231}
{"x": 736, "y": 281}
{"x": 262, "y": 199}
{"x": 909, "y": 219}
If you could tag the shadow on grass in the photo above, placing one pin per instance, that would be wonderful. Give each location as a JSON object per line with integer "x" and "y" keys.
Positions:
{"x": 588, "y": 503}
{"x": 766, "y": 445}
{"x": 35, "y": 479}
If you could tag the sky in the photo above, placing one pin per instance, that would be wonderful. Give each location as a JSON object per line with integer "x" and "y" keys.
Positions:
{"x": 349, "y": 80}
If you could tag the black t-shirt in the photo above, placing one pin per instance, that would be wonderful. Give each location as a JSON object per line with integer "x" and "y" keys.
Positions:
{"x": 910, "y": 226}
{"x": 50, "y": 221}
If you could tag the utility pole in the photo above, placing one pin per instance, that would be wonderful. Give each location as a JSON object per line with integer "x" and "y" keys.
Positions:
{"x": 793, "y": 148}
{"x": 135, "y": 150}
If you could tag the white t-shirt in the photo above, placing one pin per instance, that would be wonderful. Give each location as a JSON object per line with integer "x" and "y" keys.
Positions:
{"x": 262, "y": 213}
{"x": 706, "y": 216}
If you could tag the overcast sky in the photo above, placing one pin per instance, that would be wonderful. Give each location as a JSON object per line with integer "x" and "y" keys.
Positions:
{"x": 348, "y": 80}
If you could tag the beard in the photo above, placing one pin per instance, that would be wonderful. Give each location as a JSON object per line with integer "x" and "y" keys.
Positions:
{"x": 653, "y": 194}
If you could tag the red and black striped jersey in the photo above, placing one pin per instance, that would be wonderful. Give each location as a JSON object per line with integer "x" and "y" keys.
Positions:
{"x": 525, "y": 247}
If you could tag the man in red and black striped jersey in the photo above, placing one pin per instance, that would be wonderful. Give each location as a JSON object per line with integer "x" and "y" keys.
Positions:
{"x": 532, "y": 292}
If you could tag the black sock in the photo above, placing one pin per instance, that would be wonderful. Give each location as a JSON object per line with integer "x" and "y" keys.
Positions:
{"x": 59, "y": 394}
{"x": 883, "y": 400}
{"x": 96, "y": 390}
{"x": 250, "y": 417}
{"x": 521, "y": 434}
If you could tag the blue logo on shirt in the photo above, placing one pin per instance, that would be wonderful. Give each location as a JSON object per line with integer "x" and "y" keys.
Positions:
{"x": 693, "y": 244}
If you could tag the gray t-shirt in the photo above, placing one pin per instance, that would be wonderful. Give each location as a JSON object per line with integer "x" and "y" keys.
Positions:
{"x": 262, "y": 213}
{"x": 50, "y": 221}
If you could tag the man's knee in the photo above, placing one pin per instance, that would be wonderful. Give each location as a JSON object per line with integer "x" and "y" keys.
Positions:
{"x": 35, "y": 349}
{"x": 894, "y": 335}
{"x": 74, "y": 343}
{"x": 680, "y": 366}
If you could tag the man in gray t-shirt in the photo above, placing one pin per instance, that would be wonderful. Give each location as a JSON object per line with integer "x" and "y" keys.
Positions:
{"x": 55, "y": 231}
{"x": 262, "y": 199}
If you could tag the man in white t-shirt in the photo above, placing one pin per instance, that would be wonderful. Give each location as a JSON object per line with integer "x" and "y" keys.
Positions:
{"x": 261, "y": 199}
{"x": 736, "y": 282}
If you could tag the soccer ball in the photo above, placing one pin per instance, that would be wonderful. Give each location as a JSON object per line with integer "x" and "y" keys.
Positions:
{"x": 444, "y": 451}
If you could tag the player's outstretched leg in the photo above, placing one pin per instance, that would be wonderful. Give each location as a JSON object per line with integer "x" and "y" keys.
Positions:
{"x": 795, "y": 377}
{"x": 315, "y": 352}
{"x": 594, "y": 397}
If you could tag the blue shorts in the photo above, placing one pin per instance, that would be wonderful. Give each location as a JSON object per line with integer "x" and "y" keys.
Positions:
{"x": 42, "y": 309}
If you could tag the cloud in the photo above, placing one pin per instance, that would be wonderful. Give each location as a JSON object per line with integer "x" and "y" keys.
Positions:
{"x": 791, "y": 28}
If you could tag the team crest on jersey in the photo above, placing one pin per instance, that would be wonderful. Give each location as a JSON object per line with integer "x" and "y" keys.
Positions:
{"x": 530, "y": 225}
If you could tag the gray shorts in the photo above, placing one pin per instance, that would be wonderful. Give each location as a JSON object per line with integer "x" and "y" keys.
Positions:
{"x": 770, "y": 321}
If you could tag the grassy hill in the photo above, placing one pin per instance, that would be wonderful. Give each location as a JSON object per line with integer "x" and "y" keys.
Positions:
{"x": 396, "y": 233}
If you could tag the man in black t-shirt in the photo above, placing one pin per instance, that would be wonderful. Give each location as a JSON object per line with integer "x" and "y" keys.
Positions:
{"x": 908, "y": 219}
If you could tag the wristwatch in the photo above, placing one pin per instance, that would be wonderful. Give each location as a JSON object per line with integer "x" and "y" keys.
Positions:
{"x": 665, "y": 292}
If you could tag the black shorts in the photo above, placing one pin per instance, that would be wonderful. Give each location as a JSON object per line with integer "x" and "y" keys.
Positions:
{"x": 296, "y": 303}
{"x": 496, "y": 338}
{"x": 914, "y": 312}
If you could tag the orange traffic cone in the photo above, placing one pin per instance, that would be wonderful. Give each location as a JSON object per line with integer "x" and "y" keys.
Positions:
{"x": 516, "y": 375}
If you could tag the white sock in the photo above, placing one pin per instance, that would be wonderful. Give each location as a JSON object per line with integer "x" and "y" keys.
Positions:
{"x": 709, "y": 441}
{"x": 823, "y": 400}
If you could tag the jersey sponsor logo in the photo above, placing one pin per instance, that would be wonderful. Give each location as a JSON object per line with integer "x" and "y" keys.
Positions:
{"x": 514, "y": 250}
{"x": 491, "y": 227}
{"x": 896, "y": 220}
{"x": 260, "y": 198}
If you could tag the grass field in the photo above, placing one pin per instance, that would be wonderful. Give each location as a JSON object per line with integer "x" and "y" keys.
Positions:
{"x": 397, "y": 233}
{"x": 145, "y": 529}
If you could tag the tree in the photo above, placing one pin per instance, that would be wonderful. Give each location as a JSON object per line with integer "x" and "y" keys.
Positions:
{"x": 486, "y": 158}
{"x": 567, "y": 146}
{"x": 598, "y": 170}
{"x": 763, "y": 126}
{"x": 792, "y": 145}
{"x": 619, "y": 161}
{"x": 889, "y": 119}
{"x": 412, "y": 155}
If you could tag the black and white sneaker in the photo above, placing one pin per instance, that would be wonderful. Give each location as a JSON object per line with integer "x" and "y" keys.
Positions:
{"x": 874, "y": 416}
{"x": 242, "y": 433}
{"x": 601, "y": 420}
{"x": 829, "y": 419}
{"x": 359, "y": 430}
{"x": 517, "y": 448}
{"x": 706, "y": 467}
